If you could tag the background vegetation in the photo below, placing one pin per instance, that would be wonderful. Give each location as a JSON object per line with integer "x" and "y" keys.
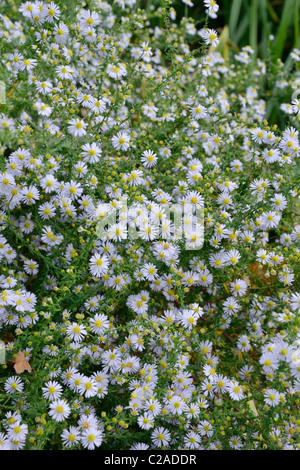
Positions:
{"x": 270, "y": 27}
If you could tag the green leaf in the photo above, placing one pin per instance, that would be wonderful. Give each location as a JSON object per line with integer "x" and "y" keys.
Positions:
{"x": 286, "y": 18}
{"x": 241, "y": 29}
{"x": 234, "y": 17}
{"x": 264, "y": 18}
{"x": 296, "y": 28}
{"x": 272, "y": 13}
{"x": 253, "y": 27}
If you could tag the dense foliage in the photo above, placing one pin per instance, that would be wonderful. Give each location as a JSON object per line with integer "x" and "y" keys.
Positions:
{"x": 146, "y": 341}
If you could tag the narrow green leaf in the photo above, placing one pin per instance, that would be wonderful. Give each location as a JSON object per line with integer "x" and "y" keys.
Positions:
{"x": 264, "y": 17}
{"x": 234, "y": 17}
{"x": 266, "y": 30}
{"x": 234, "y": 46}
{"x": 297, "y": 28}
{"x": 288, "y": 11}
{"x": 148, "y": 7}
{"x": 296, "y": 24}
{"x": 272, "y": 13}
{"x": 253, "y": 26}
{"x": 241, "y": 30}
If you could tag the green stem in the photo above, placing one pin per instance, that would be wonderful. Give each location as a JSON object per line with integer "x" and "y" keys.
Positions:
{"x": 296, "y": 24}
{"x": 253, "y": 27}
{"x": 149, "y": 3}
{"x": 285, "y": 21}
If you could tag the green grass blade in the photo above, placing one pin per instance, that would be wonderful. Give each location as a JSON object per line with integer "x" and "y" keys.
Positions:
{"x": 241, "y": 30}
{"x": 272, "y": 13}
{"x": 234, "y": 17}
{"x": 148, "y": 7}
{"x": 264, "y": 17}
{"x": 253, "y": 26}
{"x": 266, "y": 31}
{"x": 296, "y": 24}
{"x": 297, "y": 29}
{"x": 288, "y": 11}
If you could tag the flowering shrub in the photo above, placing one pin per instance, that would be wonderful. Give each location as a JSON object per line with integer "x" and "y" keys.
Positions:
{"x": 120, "y": 342}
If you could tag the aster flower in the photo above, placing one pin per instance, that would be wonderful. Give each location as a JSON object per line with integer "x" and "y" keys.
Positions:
{"x": 99, "y": 264}
{"x": 121, "y": 141}
{"x": 59, "y": 410}
{"x": 13, "y": 384}
{"x": 77, "y": 127}
{"x": 91, "y": 438}
{"x": 160, "y": 437}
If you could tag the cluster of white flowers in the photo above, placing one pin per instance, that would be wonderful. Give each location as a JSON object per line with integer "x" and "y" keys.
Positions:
{"x": 191, "y": 347}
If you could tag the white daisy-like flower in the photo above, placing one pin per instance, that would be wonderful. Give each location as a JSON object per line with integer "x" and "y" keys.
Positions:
{"x": 160, "y": 437}
{"x": 59, "y": 410}
{"x": 99, "y": 323}
{"x": 210, "y": 37}
{"x": 71, "y": 436}
{"x": 238, "y": 287}
{"x": 99, "y": 264}
{"x": 149, "y": 158}
{"x": 77, "y": 127}
{"x": 52, "y": 390}
{"x": 272, "y": 397}
{"x": 76, "y": 331}
{"x": 121, "y": 141}
{"x": 91, "y": 438}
